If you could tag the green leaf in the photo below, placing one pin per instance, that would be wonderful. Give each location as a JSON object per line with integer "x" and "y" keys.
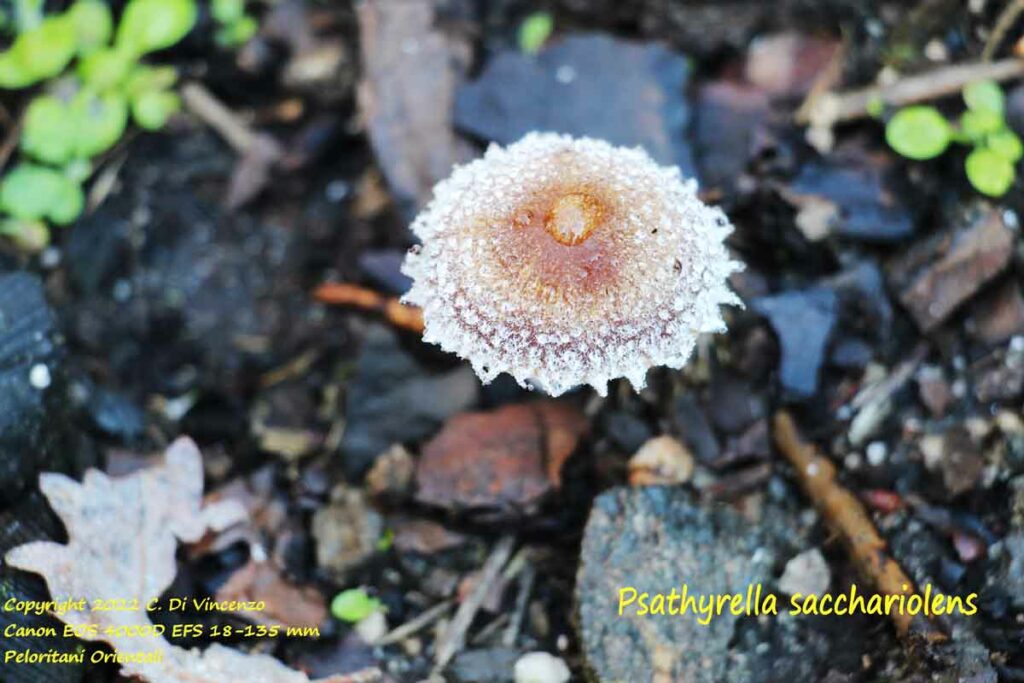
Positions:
{"x": 68, "y": 203}
{"x": 985, "y": 96}
{"x": 237, "y": 32}
{"x": 78, "y": 170}
{"x": 150, "y": 25}
{"x": 49, "y": 132}
{"x": 353, "y": 605}
{"x": 1006, "y": 144}
{"x": 535, "y": 31}
{"x": 227, "y": 11}
{"x": 152, "y": 108}
{"x": 101, "y": 120}
{"x": 143, "y": 78}
{"x": 31, "y": 192}
{"x": 14, "y": 74}
{"x": 93, "y": 24}
{"x": 105, "y": 69}
{"x": 918, "y": 132}
{"x": 989, "y": 173}
{"x": 977, "y": 123}
{"x": 38, "y": 54}
{"x": 30, "y": 236}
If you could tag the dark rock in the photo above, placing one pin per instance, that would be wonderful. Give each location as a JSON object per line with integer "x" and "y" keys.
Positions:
{"x": 803, "y": 320}
{"x": 868, "y": 207}
{"x": 383, "y": 266}
{"x": 864, "y": 301}
{"x": 33, "y": 407}
{"x": 493, "y": 665}
{"x": 753, "y": 444}
{"x": 692, "y": 425}
{"x": 658, "y": 539}
{"x": 727, "y": 120}
{"x": 31, "y": 519}
{"x": 626, "y": 431}
{"x": 939, "y": 274}
{"x": 116, "y": 415}
{"x": 586, "y": 85}
{"x": 851, "y": 353}
{"x": 392, "y": 399}
{"x": 998, "y": 315}
{"x": 734, "y": 404}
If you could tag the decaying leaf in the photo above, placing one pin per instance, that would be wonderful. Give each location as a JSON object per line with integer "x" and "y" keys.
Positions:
{"x": 122, "y": 536}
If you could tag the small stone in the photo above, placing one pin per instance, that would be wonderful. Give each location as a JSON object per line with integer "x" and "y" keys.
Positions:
{"x": 876, "y": 453}
{"x": 541, "y": 667}
{"x": 661, "y": 461}
{"x": 392, "y": 473}
{"x": 39, "y": 376}
{"x": 346, "y": 530}
{"x": 373, "y": 627}
{"x": 806, "y": 573}
{"x": 933, "y": 390}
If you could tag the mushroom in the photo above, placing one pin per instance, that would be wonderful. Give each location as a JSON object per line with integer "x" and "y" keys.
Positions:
{"x": 565, "y": 261}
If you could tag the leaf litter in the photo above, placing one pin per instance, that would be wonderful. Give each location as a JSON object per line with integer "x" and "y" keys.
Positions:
{"x": 122, "y": 537}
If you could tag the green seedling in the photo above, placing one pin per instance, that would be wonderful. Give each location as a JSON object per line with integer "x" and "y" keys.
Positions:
{"x": 921, "y": 132}
{"x": 93, "y": 85}
{"x": 235, "y": 27}
{"x": 354, "y": 605}
{"x": 535, "y": 31}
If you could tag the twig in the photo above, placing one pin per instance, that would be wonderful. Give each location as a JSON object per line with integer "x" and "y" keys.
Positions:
{"x": 218, "y": 116}
{"x": 398, "y": 314}
{"x": 847, "y": 517}
{"x": 454, "y": 637}
{"x": 416, "y": 624}
{"x": 1003, "y": 24}
{"x": 830, "y": 108}
{"x": 508, "y": 638}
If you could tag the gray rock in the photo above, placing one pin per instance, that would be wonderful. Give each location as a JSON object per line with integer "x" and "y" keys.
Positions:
{"x": 656, "y": 539}
{"x": 803, "y": 320}
{"x": 626, "y": 93}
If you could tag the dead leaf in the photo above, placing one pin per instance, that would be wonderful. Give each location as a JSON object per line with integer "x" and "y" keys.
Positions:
{"x": 286, "y": 604}
{"x": 122, "y": 537}
{"x": 509, "y": 457}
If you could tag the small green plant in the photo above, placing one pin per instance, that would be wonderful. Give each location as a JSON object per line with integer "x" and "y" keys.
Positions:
{"x": 94, "y": 83}
{"x": 921, "y": 132}
{"x": 234, "y": 26}
{"x": 354, "y": 605}
{"x": 535, "y": 31}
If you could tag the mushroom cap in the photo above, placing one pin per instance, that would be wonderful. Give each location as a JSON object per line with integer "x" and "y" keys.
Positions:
{"x": 565, "y": 261}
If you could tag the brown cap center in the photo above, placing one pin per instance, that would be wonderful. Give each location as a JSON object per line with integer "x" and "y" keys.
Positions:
{"x": 573, "y": 217}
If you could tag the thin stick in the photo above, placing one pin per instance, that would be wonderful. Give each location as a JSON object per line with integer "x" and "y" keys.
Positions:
{"x": 454, "y": 638}
{"x": 218, "y": 116}
{"x": 848, "y": 518}
{"x": 398, "y": 314}
{"x": 835, "y": 107}
{"x": 416, "y": 624}
{"x": 1003, "y": 24}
